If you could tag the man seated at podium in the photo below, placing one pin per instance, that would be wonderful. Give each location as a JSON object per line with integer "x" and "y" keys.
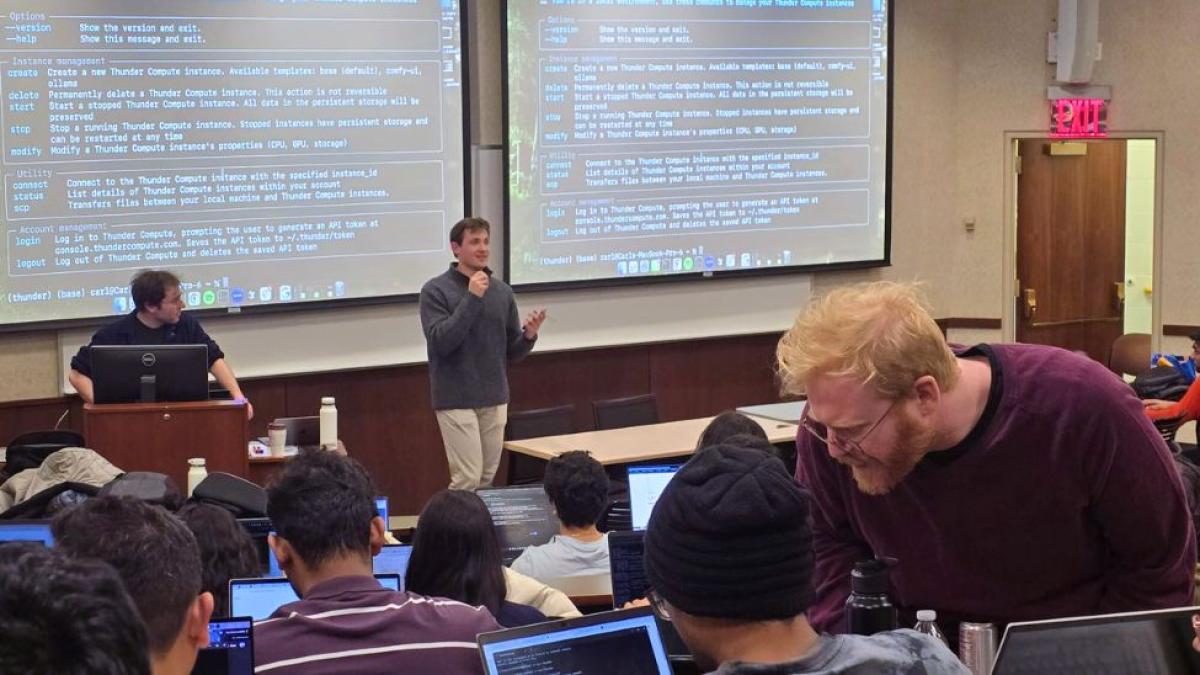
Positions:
{"x": 157, "y": 319}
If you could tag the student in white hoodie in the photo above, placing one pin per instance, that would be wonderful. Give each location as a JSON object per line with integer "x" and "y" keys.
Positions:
{"x": 578, "y": 489}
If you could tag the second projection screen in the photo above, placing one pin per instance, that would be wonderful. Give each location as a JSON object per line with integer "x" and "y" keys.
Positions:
{"x": 676, "y": 137}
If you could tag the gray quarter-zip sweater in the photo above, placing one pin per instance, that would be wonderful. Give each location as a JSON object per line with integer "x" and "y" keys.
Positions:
{"x": 470, "y": 340}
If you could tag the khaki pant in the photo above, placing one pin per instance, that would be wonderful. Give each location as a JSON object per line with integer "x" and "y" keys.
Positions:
{"x": 473, "y": 440}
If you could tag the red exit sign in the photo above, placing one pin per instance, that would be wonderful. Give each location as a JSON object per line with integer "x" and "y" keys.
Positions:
{"x": 1079, "y": 118}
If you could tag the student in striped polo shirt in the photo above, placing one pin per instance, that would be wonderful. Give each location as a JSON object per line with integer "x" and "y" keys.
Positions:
{"x": 323, "y": 511}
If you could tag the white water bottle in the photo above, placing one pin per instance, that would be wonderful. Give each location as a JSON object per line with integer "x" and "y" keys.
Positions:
{"x": 197, "y": 472}
{"x": 329, "y": 433}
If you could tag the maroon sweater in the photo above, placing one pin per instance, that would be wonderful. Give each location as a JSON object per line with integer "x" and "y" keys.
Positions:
{"x": 355, "y": 625}
{"x": 1062, "y": 501}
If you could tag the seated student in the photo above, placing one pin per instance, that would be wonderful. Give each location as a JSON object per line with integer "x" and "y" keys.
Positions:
{"x": 62, "y": 615}
{"x": 1187, "y": 408}
{"x": 158, "y": 559}
{"x": 455, "y": 555}
{"x": 326, "y": 532}
{"x": 226, "y": 550}
{"x": 728, "y": 424}
{"x": 578, "y": 489}
{"x": 729, "y": 554}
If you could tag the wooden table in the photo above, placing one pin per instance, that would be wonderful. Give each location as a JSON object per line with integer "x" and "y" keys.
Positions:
{"x": 637, "y": 444}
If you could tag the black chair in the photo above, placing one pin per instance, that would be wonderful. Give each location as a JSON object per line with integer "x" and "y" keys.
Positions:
{"x": 617, "y": 517}
{"x": 541, "y": 422}
{"x": 524, "y": 470}
{"x": 631, "y": 411}
{"x": 28, "y": 450}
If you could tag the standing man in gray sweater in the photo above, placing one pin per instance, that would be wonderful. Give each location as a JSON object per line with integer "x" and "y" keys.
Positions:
{"x": 472, "y": 331}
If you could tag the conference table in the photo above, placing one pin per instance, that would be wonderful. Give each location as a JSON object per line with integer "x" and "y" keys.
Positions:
{"x": 630, "y": 445}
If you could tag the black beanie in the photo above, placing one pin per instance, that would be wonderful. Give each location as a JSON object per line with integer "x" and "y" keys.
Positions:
{"x": 730, "y": 537}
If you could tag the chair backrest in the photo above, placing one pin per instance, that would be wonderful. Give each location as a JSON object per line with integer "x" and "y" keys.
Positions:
{"x": 631, "y": 411}
{"x": 1130, "y": 354}
{"x": 30, "y": 449}
{"x": 540, "y": 422}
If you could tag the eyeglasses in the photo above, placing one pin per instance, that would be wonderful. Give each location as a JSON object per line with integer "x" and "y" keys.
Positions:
{"x": 847, "y": 445}
{"x": 658, "y": 605}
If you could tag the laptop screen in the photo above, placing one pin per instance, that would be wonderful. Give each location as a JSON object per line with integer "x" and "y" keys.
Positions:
{"x": 258, "y": 529}
{"x": 625, "y": 642}
{"x": 523, "y": 518}
{"x": 381, "y": 507}
{"x": 1148, "y": 643}
{"x": 259, "y": 598}
{"x": 393, "y": 559}
{"x": 625, "y": 550}
{"x": 230, "y": 649}
{"x": 625, "y": 562}
{"x": 646, "y": 483}
{"x": 37, "y": 531}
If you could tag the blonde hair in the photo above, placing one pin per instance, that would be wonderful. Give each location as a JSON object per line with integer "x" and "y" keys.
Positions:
{"x": 879, "y": 333}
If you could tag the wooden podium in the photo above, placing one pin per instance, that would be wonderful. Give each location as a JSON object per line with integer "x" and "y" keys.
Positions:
{"x": 163, "y": 436}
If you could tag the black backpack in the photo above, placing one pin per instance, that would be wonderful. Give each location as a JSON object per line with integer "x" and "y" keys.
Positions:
{"x": 237, "y": 495}
{"x": 1161, "y": 382}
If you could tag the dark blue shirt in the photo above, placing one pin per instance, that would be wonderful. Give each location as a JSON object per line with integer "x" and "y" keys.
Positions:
{"x": 129, "y": 331}
{"x": 513, "y": 615}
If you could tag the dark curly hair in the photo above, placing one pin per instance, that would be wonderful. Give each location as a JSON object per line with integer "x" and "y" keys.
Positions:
{"x": 66, "y": 616}
{"x": 226, "y": 550}
{"x": 578, "y": 487}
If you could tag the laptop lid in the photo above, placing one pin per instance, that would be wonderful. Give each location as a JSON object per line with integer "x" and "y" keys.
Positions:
{"x": 37, "y": 531}
{"x": 393, "y": 559}
{"x": 230, "y": 649}
{"x": 259, "y": 598}
{"x": 646, "y": 483}
{"x": 1148, "y": 643}
{"x": 301, "y": 431}
{"x": 625, "y": 642}
{"x": 523, "y": 517}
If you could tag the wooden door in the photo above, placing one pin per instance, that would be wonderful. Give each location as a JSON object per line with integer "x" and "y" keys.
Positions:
{"x": 1071, "y": 244}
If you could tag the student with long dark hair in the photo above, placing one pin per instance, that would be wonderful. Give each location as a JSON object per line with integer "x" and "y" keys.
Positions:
{"x": 456, "y": 555}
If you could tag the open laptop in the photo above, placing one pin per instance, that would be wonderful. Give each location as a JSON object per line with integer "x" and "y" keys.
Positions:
{"x": 259, "y": 598}
{"x": 523, "y": 517}
{"x": 381, "y": 508}
{"x": 625, "y": 642}
{"x": 37, "y": 531}
{"x": 1148, "y": 643}
{"x": 625, "y": 551}
{"x": 230, "y": 649}
{"x": 258, "y": 529}
{"x": 302, "y": 432}
{"x": 646, "y": 483}
{"x": 393, "y": 559}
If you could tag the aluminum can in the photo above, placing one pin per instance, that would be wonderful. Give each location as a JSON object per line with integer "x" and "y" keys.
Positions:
{"x": 977, "y": 646}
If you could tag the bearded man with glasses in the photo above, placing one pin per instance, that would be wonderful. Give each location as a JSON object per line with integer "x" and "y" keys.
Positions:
{"x": 1009, "y": 482}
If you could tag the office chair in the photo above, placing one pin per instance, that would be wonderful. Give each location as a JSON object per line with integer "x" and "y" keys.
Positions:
{"x": 555, "y": 421}
{"x": 1130, "y": 354}
{"x": 631, "y": 411}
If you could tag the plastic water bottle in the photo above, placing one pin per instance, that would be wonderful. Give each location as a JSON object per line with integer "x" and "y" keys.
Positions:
{"x": 329, "y": 432}
{"x": 868, "y": 609}
{"x": 927, "y": 624}
{"x": 197, "y": 472}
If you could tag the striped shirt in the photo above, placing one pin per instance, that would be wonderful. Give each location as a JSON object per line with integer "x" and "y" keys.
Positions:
{"x": 353, "y": 624}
